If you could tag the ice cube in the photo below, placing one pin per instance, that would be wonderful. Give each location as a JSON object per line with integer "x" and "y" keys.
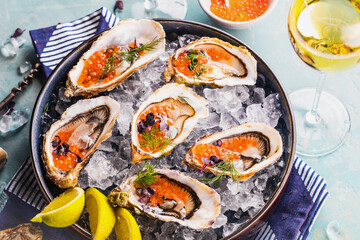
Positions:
{"x": 334, "y": 232}
{"x": 220, "y": 221}
{"x": 100, "y": 171}
{"x": 13, "y": 121}
{"x": 61, "y": 95}
{"x": 25, "y": 67}
{"x": 125, "y": 117}
{"x": 230, "y": 228}
{"x": 186, "y": 39}
{"x": 258, "y": 95}
{"x": 60, "y": 107}
{"x": 242, "y": 93}
{"x": 227, "y": 121}
{"x": 10, "y": 48}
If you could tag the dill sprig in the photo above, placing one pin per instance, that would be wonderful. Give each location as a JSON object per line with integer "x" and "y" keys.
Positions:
{"x": 46, "y": 108}
{"x": 194, "y": 65}
{"x": 146, "y": 178}
{"x": 183, "y": 98}
{"x": 131, "y": 55}
{"x": 150, "y": 139}
{"x": 224, "y": 166}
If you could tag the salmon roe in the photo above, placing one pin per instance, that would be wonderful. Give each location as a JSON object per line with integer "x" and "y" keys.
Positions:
{"x": 239, "y": 10}
{"x": 230, "y": 149}
{"x": 166, "y": 189}
{"x": 67, "y": 162}
{"x": 165, "y": 111}
{"x": 93, "y": 67}
{"x": 182, "y": 64}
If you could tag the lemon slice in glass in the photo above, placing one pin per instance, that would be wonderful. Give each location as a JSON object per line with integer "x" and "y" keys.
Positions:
{"x": 126, "y": 227}
{"x": 101, "y": 214}
{"x": 63, "y": 210}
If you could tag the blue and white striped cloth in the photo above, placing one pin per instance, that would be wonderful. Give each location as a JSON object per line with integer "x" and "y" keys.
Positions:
{"x": 299, "y": 206}
{"x": 53, "y": 43}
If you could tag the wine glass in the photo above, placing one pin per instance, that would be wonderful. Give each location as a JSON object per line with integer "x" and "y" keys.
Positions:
{"x": 154, "y": 9}
{"x": 325, "y": 34}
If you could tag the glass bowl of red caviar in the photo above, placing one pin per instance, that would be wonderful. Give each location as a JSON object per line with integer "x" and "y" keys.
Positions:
{"x": 237, "y": 14}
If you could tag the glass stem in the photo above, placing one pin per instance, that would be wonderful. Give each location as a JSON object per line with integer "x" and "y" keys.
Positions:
{"x": 150, "y": 5}
{"x": 312, "y": 117}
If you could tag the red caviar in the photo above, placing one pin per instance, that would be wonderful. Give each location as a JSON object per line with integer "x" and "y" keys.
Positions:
{"x": 230, "y": 149}
{"x": 67, "y": 162}
{"x": 165, "y": 112}
{"x": 93, "y": 67}
{"x": 165, "y": 189}
{"x": 239, "y": 10}
{"x": 182, "y": 64}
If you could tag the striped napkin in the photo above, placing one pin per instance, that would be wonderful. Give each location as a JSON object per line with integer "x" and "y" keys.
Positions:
{"x": 297, "y": 210}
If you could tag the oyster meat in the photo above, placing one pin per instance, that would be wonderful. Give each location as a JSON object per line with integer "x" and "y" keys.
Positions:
{"x": 71, "y": 140}
{"x": 165, "y": 120}
{"x": 250, "y": 146}
{"x": 172, "y": 196}
{"x": 114, "y": 56}
{"x": 211, "y": 61}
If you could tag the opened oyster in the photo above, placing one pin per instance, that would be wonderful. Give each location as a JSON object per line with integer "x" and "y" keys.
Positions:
{"x": 239, "y": 152}
{"x": 172, "y": 196}
{"x": 71, "y": 140}
{"x": 212, "y": 62}
{"x": 114, "y": 56}
{"x": 165, "y": 120}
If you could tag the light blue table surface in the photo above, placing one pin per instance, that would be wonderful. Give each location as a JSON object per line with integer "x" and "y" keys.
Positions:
{"x": 269, "y": 39}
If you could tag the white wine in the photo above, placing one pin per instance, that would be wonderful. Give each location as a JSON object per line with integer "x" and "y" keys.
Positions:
{"x": 326, "y": 33}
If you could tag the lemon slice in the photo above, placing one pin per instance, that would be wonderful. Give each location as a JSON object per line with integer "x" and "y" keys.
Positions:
{"x": 63, "y": 210}
{"x": 101, "y": 214}
{"x": 126, "y": 227}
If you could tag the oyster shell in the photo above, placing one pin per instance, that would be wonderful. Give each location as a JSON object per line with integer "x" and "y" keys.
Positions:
{"x": 173, "y": 197}
{"x": 251, "y": 147}
{"x": 165, "y": 120}
{"x": 86, "y": 79}
{"x": 26, "y": 231}
{"x": 211, "y": 61}
{"x": 71, "y": 140}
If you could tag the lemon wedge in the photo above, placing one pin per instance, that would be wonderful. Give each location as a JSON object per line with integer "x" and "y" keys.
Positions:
{"x": 101, "y": 214}
{"x": 126, "y": 227}
{"x": 63, "y": 210}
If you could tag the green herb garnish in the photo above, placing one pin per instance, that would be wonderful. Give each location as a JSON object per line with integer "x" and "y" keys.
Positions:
{"x": 46, "y": 108}
{"x": 131, "y": 55}
{"x": 146, "y": 178}
{"x": 183, "y": 98}
{"x": 150, "y": 139}
{"x": 224, "y": 166}
{"x": 193, "y": 56}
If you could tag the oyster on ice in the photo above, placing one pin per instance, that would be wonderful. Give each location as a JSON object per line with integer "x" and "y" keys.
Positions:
{"x": 114, "y": 56}
{"x": 213, "y": 62}
{"x": 172, "y": 196}
{"x": 165, "y": 120}
{"x": 71, "y": 140}
{"x": 249, "y": 148}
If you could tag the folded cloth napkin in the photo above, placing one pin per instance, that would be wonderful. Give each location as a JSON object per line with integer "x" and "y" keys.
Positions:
{"x": 293, "y": 217}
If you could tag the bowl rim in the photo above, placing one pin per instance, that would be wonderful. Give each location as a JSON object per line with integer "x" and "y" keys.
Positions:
{"x": 292, "y": 140}
{"x": 225, "y": 22}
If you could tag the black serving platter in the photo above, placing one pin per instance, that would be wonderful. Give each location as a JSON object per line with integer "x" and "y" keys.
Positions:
{"x": 173, "y": 29}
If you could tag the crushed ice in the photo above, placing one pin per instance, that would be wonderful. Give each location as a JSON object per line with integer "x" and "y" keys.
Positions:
{"x": 111, "y": 163}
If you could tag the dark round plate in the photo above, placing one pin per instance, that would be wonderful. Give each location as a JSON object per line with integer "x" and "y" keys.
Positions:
{"x": 173, "y": 28}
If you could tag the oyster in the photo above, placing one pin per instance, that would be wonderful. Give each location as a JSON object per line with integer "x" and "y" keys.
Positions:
{"x": 211, "y": 61}
{"x": 3, "y": 158}
{"x": 250, "y": 146}
{"x": 165, "y": 120}
{"x": 114, "y": 56}
{"x": 172, "y": 197}
{"x": 25, "y": 231}
{"x": 71, "y": 140}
